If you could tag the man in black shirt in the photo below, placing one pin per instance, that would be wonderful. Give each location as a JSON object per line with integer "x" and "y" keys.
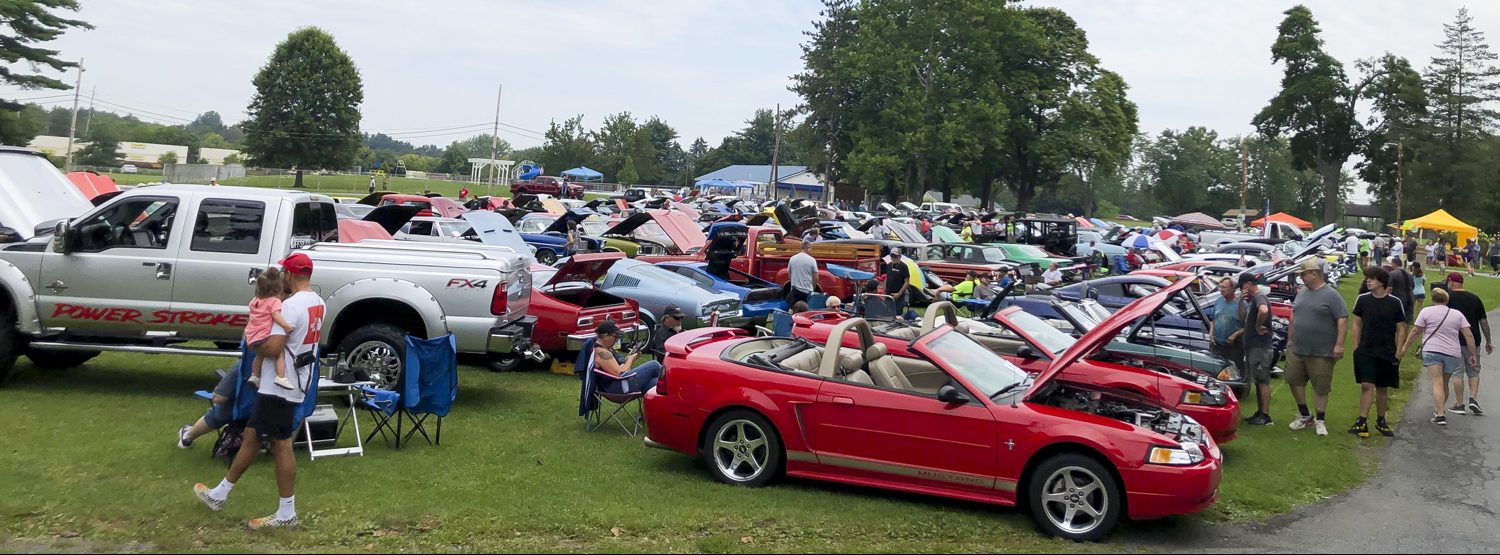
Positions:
{"x": 1379, "y": 318}
{"x": 897, "y": 278}
{"x": 1473, "y": 310}
{"x": 671, "y": 324}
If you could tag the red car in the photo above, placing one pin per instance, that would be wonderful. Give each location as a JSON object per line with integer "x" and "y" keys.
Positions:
{"x": 568, "y": 306}
{"x": 954, "y": 420}
{"x": 431, "y": 206}
{"x": 1033, "y": 345}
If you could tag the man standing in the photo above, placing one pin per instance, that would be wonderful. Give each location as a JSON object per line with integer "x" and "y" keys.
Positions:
{"x": 1351, "y": 249}
{"x": 1255, "y": 338}
{"x": 1402, "y": 284}
{"x": 802, "y": 271}
{"x": 1379, "y": 318}
{"x": 671, "y": 324}
{"x": 1052, "y": 276}
{"x": 1472, "y": 307}
{"x": 276, "y": 407}
{"x": 1398, "y": 247}
{"x": 1411, "y": 249}
{"x": 1314, "y": 343}
{"x": 1224, "y": 328}
{"x": 897, "y": 278}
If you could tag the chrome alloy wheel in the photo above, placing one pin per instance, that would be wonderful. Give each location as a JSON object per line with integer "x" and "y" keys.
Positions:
{"x": 740, "y": 450}
{"x": 379, "y": 360}
{"x": 1074, "y": 500}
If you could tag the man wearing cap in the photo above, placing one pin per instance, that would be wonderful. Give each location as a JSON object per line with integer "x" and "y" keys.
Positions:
{"x": 276, "y": 407}
{"x": 1255, "y": 340}
{"x": 1473, "y": 309}
{"x": 671, "y": 324}
{"x": 802, "y": 274}
{"x": 1314, "y": 343}
{"x": 897, "y": 277}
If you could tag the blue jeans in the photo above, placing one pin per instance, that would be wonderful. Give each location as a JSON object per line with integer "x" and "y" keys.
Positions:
{"x": 217, "y": 415}
{"x": 640, "y": 379}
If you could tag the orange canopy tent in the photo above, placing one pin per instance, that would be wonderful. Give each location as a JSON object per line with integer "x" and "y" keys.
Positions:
{"x": 1283, "y": 217}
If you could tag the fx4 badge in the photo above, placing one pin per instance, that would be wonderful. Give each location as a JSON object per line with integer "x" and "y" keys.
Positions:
{"x": 461, "y": 283}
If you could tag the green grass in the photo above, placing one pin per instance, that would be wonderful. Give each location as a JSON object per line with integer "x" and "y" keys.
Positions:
{"x": 88, "y": 463}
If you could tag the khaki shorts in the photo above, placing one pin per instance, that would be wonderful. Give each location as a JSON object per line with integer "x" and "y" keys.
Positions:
{"x": 1301, "y": 369}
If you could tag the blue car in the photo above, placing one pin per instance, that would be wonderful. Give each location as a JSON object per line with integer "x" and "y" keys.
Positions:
{"x": 758, "y": 297}
{"x": 549, "y": 234}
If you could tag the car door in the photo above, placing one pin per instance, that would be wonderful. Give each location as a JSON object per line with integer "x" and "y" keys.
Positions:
{"x": 904, "y": 437}
{"x": 117, "y": 277}
{"x": 229, "y": 245}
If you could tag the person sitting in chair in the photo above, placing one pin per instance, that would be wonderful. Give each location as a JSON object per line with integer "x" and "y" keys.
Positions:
{"x": 633, "y": 378}
{"x": 834, "y": 304}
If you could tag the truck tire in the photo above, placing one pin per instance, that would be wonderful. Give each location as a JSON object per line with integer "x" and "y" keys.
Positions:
{"x": 505, "y": 363}
{"x": 545, "y": 257}
{"x": 53, "y": 359}
{"x": 10, "y": 341}
{"x": 379, "y": 350}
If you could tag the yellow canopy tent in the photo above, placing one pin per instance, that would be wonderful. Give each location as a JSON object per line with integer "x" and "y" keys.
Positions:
{"x": 1441, "y": 220}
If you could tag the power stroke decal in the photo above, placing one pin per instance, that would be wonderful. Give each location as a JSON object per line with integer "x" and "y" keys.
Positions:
{"x": 163, "y": 316}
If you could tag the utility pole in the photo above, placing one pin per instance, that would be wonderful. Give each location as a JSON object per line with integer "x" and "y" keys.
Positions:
{"x": 489, "y": 189}
{"x": 90, "y": 116}
{"x": 1398, "y": 180}
{"x": 776, "y": 148}
{"x": 73, "y": 124}
{"x": 1244, "y": 178}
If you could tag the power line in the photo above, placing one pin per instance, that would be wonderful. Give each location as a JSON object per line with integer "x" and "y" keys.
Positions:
{"x": 131, "y": 109}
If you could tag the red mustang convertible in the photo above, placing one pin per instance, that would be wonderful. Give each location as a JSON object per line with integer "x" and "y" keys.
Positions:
{"x": 1034, "y": 345}
{"x": 954, "y": 420}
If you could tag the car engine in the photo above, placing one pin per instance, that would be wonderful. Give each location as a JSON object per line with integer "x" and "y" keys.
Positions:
{"x": 1125, "y": 409}
{"x": 1198, "y": 377}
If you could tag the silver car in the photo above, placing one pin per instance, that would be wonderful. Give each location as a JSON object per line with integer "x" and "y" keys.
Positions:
{"x": 654, "y": 288}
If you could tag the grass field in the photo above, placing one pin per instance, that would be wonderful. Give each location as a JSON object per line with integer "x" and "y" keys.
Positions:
{"x": 88, "y": 464}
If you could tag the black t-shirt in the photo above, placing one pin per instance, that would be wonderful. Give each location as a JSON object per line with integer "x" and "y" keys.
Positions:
{"x": 1378, "y": 317}
{"x": 896, "y": 275}
{"x": 1250, "y": 315}
{"x": 1472, "y": 308}
{"x": 659, "y": 339}
{"x": 1401, "y": 285}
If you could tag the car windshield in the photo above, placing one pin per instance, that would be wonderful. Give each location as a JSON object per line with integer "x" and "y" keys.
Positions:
{"x": 595, "y": 229}
{"x": 977, "y": 364}
{"x": 1083, "y": 319}
{"x": 453, "y": 229}
{"x": 994, "y": 254}
{"x": 535, "y": 225}
{"x": 1048, "y": 337}
{"x": 1031, "y": 251}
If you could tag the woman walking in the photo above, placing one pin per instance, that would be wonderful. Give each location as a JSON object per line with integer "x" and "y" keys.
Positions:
{"x": 1441, "y": 348}
{"x": 1494, "y": 255}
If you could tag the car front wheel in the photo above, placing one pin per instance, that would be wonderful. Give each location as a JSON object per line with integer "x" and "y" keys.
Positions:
{"x": 742, "y": 449}
{"x": 545, "y": 257}
{"x": 1074, "y": 497}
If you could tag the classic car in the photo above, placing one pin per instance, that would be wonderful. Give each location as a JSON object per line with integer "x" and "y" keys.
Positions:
{"x": 654, "y": 288}
{"x": 431, "y": 206}
{"x": 1032, "y": 254}
{"x": 758, "y": 297}
{"x": 568, "y": 305}
{"x": 656, "y": 232}
{"x": 548, "y": 234}
{"x": 953, "y": 420}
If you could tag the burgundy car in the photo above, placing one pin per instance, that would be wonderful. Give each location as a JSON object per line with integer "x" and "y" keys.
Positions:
{"x": 568, "y": 305}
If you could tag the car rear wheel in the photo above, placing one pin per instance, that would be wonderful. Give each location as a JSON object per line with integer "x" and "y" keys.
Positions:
{"x": 1074, "y": 497}
{"x": 742, "y": 449}
{"x": 545, "y": 257}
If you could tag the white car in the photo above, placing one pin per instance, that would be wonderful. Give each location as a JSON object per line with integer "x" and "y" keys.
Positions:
{"x": 129, "y": 168}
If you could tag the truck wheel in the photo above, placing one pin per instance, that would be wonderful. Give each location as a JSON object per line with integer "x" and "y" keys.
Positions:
{"x": 379, "y": 350}
{"x": 50, "y": 359}
{"x": 10, "y": 341}
{"x": 505, "y": 363}
{"x": 545, "y": 257}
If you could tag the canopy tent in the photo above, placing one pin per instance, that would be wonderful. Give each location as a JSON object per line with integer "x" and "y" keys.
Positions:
{"x": 1283, "y": 217}
{"x": 583, "y": 173}
{"x": 1441, "y": 220}
{"x": 1198, "y": 219}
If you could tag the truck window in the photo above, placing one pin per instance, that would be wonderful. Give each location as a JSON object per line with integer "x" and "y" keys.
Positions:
{"x": 231, "y": 226}
{"x": 138, "y": 223}
{"x": 313, "y": 222}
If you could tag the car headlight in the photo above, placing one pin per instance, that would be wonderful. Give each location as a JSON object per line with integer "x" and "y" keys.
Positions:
{"x": 1208, "y": 398}
{"x": 1184, "y": 455}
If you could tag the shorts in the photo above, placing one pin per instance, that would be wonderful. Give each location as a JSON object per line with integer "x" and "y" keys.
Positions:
{"x": 1302, "y": 369}
{"x": 1258, "y": 365}
{"x": 217, "y": 415}
{"x": 1470, "y": 371}
{"x": 273, "y": 417}
{"x": 1450, "y": 363}
{"x": 1382, "y": 372}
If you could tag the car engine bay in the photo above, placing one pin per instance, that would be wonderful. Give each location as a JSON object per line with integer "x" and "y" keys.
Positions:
{"x": 1126, "y": 409}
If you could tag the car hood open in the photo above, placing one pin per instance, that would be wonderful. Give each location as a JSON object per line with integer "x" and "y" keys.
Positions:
{"x": 1106, "y": 332}
{"x": 683, "y": 231}
{"x": 587, "y": 268}
{"x": 392, "y": 216}
{"x": 494, "y": 229}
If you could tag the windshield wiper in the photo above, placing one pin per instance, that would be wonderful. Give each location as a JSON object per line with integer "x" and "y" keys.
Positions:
{"x": 1008, "y": 388}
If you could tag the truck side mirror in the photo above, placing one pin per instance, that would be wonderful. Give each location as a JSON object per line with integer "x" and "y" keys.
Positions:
{"x": 62, "y": 236}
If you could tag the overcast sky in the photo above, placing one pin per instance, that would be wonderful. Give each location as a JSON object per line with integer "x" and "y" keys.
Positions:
{"x": 702, "y": 65}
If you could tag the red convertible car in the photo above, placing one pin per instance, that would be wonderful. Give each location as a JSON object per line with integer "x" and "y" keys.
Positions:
{"x": 954, "y": 420}
{"x": 568, "y": 306}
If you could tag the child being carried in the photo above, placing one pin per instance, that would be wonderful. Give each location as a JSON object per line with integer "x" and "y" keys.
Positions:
{"x": 265, "y": 310}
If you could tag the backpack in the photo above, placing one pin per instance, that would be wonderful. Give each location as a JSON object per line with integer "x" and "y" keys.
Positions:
{"x": 228, "y": 444}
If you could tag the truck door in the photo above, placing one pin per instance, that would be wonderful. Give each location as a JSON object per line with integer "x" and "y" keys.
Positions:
{"x": 117, "y": 276}
{"x": 228, "y": 244}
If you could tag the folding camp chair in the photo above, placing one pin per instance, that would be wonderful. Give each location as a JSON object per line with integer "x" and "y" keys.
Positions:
{"x": 429, "y": 385}
{"x": 817, "y": 301}
{"x": 781, "y": 325}
{"x": 593, "y": 393}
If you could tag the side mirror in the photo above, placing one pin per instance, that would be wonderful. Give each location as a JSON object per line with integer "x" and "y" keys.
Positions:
{"x": 1025, "y": 351}
{"x": 62, "y": 236}
{"x": 951, "y": 395}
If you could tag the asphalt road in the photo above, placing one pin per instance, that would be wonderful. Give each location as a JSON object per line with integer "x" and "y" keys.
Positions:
{"x": 1436, "y": 491}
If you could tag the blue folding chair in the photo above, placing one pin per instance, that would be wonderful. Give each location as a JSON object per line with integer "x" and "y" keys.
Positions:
{"x": 594, "y": 391}
{"x": 1119, "y": 267}
{"x": 428, "y": 387}
{"x": 817, "y": 301}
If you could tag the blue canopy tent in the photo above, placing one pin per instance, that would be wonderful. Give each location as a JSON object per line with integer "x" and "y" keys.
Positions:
{"x": 583, "y": 173}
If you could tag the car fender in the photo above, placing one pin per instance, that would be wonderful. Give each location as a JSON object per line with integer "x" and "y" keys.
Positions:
{"x": 744, "y": 397}
{"x": 17, "y": 289}
{"x": 387, "y": 289}
{"x": 1089, "y": 436}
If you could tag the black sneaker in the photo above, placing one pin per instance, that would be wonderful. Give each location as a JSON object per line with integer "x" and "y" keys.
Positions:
{"x": 1457, "y": 408}
{"x": 1383, "y": 428}
{"x": 1360, "y": 428}
{"x": 1440, "y": 420}
{"x": 1259, "y": 419}
{"x": 1474, "y": 408}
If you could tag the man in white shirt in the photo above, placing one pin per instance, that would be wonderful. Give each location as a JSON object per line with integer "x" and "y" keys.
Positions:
{"x": 1397, "y": 247}
{"x": 802, "y": 272}
{"x": 1052, "y": 276}
{"x": 1351, "y": 249}
{"x": 276, "y": 408}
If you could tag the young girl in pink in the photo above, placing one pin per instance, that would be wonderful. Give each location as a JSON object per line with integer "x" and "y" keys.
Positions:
{"x": 265, "y": 310}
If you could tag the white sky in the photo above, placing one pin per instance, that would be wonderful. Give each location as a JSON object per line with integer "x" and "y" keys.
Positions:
{"x": 702, "y": 65}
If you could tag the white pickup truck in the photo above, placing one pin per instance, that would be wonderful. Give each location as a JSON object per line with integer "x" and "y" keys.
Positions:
{"x": 1272, "y": 230}
{"x": 156, "y": 267}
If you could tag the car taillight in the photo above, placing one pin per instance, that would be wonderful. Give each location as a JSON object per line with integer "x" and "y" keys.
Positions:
{"x": 586, "y": 322}
{"x": 500, "y": 303}
{"x": 627, "y": 316}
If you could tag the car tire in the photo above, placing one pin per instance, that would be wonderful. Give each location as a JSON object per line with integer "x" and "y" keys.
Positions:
{"x": 52, "y": 359}
{"x": 545, "y": 257}
{"x": 505, "y": 363}
{"x": 1067, "y": 486}
{"x": 378, "y": 349}
{"x": 741, "y": 448}
{"x": 10, "y": 341}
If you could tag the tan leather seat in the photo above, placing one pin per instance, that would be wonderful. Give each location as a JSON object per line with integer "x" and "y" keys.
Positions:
{"x": 805, "y": 361}
{"x": 852, "y": 367}
{"x": 883, "y": 369}
{"x": 902, "y": 333}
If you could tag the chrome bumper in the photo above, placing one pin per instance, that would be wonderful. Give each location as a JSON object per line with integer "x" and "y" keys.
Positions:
{"x": 632, "y": 333}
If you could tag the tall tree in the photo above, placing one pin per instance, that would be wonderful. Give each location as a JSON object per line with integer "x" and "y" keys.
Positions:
{"x": 1396, "y": 129}
{"x": 1462, "y": 84}
{"x": 567, "y": 145}
{"x": 828, "y": 87}
{"x": 667, "y": 154}
{"x": 104, "y": 143}
{"x": 305, "y": 112}
{"x": 614, "y": 145}
{"x": 29, "y": 23}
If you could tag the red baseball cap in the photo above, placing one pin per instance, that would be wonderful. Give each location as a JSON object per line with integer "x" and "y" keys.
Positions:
{"x": 1455, "y": 277}
{"x": 297, "y": 264}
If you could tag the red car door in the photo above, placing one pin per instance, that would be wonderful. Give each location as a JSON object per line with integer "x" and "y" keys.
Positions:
{"x": 904, "y": 437}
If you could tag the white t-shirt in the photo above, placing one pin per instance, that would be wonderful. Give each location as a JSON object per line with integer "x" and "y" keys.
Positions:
{"x": 1351, "y": 245}
{"x": 1397, "y": 248}
{"x": 1052, "y": 276}
{"x": 304, "y": 311}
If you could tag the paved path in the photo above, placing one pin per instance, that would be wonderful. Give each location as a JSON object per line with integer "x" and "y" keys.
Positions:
{"x": 1437, "y": 490}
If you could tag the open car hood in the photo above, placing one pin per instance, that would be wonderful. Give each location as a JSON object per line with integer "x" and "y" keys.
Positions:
{"x": 907, "y": 233}
{"x": 587, "y": 268}
{"x": 391, "y": 216}
{"x": 683, "y": 231}
{"x": 373, "y": 199}
{"x": 1106, "y": 332}
{"x": 494, "y": 229}
{"x": 565, "y": 222}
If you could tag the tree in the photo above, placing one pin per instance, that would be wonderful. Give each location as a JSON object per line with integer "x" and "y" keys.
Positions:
{"x": 1462, "y": 85}
{"x": 305, "y": 112}
{"x": 1396, "y": 122}
{"x": 167, "y": 158}
{"x": 207, "y": 122}
{"x": 628, "y": 175}
{"x": 417, "y": 162}
{"x": 828, "y": 86}
{"x": 29, "y": 23}
{"x": 102, "y": 149}
{"x": 567, "y": 145}
{"x": 233, "y": 158}
{"x": 19, "y": 127}
{"x": 666, "y": 154}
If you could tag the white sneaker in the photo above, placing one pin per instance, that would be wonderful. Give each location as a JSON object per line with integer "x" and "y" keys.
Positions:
{"x": 254, "y": 380}
{"x": 1301, "y": 422}
{"x": 202, "y": 492}
{"x": 1318, "y": 427}
{"x": 182, "y": 437}
{"x": 282, "y": 383}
